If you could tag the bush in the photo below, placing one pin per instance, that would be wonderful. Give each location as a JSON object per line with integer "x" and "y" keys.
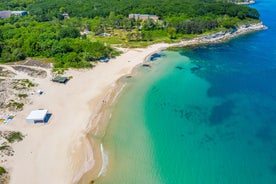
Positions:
{"x": 15, "y": 105}
{"x": 27, "y": 83}
{"x": 22, "y": 95}
{"x": 4, "y": 147}
{"x": 14, "y": 137}
{"x": 2, "y": 171}
{"x": 69, "y": 32}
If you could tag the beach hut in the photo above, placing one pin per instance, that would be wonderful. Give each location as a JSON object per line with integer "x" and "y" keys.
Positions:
{"x": 60, "y": 79}
{"x": 37, "y": 116}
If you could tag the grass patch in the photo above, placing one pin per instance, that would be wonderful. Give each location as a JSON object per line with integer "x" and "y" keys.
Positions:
{"x": 15, "y": 105}
{"x": 2, "y": 171}
{"x": 44, "y": 60}
{"x": 22, "y": 95}
{"x": 27, "y": 83}
{"x": 23, "y": 84}
{"x": 120, "y": 37}
{"x": 15, "y": 137}
{"x": 4, "y": 147}
{"x": 58, "y": 71}
{"x": 248, "y": 21}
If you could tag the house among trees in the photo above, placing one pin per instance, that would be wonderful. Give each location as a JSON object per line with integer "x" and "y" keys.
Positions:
{"x": 8, "y": 13}
{"x": 66, "y": 16}
{"x": 85, "y": 32}
{"x": 104, "y": 34}
{"x": 143, "y": 17}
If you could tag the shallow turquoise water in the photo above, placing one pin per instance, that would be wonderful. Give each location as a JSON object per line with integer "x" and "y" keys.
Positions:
{"x": 201, "y": 115}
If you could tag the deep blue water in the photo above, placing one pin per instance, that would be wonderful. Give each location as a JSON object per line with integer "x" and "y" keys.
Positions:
{"x": 201, "y": 115}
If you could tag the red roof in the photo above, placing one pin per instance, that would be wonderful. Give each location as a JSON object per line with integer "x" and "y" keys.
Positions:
{"x": 5, "y": 14}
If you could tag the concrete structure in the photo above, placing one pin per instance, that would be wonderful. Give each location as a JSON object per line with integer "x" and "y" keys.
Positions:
{"x": 37, "y": 116}
{"x": 143, "y": 17}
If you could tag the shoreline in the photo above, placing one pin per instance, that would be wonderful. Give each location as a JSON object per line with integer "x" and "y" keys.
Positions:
{"x": 61, "y": 152}
{"x": 206, "y": 39}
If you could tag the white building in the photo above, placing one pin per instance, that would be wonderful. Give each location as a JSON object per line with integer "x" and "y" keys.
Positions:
{"x": 143, "y": 17}
{"x": 37, "y": 116}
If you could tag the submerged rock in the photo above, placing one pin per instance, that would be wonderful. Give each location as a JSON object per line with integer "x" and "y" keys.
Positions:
{"x": 179, "y": 67}
{"x": 146, "y": 65}
{"x": 155, "y": 56}
{"x": 195, "y": 68}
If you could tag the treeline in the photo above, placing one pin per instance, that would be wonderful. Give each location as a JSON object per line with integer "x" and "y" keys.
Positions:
{"x": 45, "y": 32}
{"x": 60, "y": 40}
{"x": 45, "y": 10}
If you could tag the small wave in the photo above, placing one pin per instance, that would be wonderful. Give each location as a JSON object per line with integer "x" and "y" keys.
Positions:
{"x": 104, "y": 162}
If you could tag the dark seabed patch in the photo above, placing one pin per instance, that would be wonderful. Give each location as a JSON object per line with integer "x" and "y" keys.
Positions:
{"x": 195, "y": 68}
{"x": 221, "y": 112}
{"x": 155, "y": 56}
{"x": 179, "y": 67}
{"x": 273, "y": 169}
{"x": 265, "y": 134}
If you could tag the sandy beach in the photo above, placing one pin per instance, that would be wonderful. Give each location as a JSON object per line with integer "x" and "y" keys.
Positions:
{"x": 47, "y": 153}
{"x": 59, "y": 152}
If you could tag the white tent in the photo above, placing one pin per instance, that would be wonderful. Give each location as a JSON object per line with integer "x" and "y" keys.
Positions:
{"x": 37, "y": 116}
{"x": 39, "y": 92}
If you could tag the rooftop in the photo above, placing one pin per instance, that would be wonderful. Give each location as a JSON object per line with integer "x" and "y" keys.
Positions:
{"x": 8, "y": 13}
{"x": 60, "y": 79}
{"x": 37, "y": 114}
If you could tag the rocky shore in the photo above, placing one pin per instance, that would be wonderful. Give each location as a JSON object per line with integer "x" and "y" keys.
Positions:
{"x": 221, "y": 36}
{"x": 246, "y": 2}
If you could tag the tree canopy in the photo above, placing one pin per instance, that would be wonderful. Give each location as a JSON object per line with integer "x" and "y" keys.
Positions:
{"x": 45, "y": 32}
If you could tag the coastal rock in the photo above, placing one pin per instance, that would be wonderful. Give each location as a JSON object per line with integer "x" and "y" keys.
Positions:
{"x": 246, "y": 2}
{"x": 179, "y": 67}
{"x": 222, "y": 36}
{"x": 146, "y": 65}
{"x": 155, "y": 56}
{"x": 195, "y": 68}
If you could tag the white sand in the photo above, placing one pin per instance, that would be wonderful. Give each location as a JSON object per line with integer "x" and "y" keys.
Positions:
{"x": 58, "y": 152}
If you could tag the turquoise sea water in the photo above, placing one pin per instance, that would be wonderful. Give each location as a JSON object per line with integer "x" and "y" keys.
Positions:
{"x": 200, "y": 115}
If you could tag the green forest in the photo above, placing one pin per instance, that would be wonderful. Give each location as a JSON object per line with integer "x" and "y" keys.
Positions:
{"x": 47, "y": 33}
